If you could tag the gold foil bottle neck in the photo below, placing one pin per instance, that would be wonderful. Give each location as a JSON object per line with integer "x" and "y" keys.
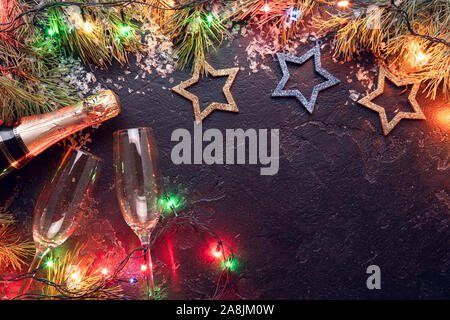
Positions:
{"x": 102, "y": 106}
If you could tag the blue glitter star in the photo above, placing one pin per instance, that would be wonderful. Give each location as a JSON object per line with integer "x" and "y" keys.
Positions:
{"x": 308, "y": 104}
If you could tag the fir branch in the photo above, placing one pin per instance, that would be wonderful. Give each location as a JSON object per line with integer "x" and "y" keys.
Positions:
{"x": 405, "y": 17}
{"x": 195, "y": 36}
{"x": 29, "y": 82}
{"x": 415, "y": 57}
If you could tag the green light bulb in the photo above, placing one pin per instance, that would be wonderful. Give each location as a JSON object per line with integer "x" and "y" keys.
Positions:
{"x": 125, "y": 30}
{"x": 209, "y": 18}
{"x": 230, "y": 264}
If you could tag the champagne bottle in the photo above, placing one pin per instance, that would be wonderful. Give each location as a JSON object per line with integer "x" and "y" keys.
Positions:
{"x": 22, "y": 142}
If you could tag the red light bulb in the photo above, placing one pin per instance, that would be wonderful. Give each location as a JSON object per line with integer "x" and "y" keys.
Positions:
{"x": 217, "y": 253}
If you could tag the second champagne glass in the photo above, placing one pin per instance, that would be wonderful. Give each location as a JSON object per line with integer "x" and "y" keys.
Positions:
{"x": 139, "y": 186}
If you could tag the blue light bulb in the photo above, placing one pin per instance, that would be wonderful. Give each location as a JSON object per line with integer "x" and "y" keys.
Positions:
{"x": 132, "y": 280}
{"x": 294, "y": 14}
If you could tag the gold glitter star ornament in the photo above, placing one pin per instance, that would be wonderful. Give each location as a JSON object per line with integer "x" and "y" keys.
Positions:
{"x": 389, "y": 125}
{"x": 198, "y": 114}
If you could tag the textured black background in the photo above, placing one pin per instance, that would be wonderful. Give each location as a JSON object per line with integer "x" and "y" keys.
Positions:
{"x": 345, "y": 196}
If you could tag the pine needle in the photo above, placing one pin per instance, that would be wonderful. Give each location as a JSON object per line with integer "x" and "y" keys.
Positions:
{"x": 6, "y": 218}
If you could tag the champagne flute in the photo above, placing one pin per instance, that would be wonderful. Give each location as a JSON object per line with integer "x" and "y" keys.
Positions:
{"x": 139, "y": 187}
{"x": 61, "y": 203}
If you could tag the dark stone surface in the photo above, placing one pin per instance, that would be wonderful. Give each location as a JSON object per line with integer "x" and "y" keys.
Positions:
{"x": 345, "y": 196}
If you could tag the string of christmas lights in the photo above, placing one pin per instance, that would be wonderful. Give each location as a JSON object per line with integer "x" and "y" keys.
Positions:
{"x": 222, "y": 250}
{"x": 292, "y": 12}
{"x": 43, "y": 7}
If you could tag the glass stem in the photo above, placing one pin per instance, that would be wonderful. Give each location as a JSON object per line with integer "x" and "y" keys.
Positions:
{"x": 38, "y": 256}
{"x": 149, "y": 271}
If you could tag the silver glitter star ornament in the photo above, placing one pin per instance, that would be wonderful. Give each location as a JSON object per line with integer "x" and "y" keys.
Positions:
{"x": 308, "y": 104}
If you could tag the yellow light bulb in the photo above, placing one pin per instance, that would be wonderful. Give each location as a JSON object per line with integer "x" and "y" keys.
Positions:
{"x": 417, "y": 57}
{"x": 88, "y": 27}
{"x": 343, "y": 3}
{"x": 443, "y": 117}
{"x": 75, "y": 276}
{"x": 420, "y": 57}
